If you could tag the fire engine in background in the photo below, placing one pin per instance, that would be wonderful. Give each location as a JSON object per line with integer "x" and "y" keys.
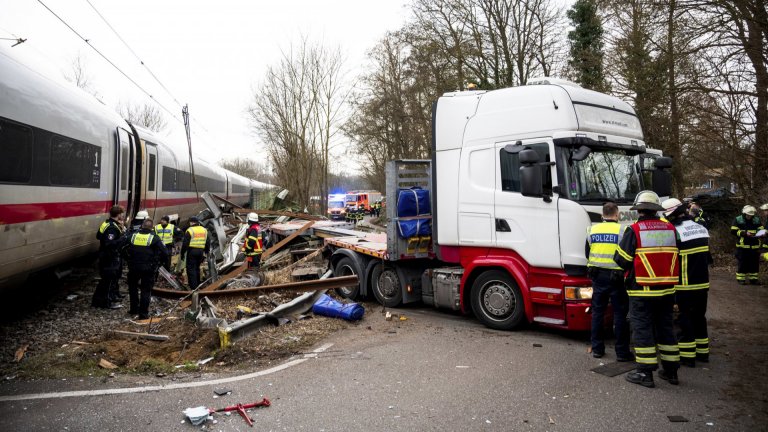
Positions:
{"x": 336, "y": 208}
{"x": 362, "y": 200}
{"x": 495, "y": 223}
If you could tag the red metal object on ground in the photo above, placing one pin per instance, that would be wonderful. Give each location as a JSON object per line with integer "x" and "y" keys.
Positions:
{"x": 240, "y": 408}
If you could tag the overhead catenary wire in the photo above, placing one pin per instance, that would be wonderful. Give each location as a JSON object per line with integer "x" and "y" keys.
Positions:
{"x": 110, "y": 61}
{"x": 139, "y": 59}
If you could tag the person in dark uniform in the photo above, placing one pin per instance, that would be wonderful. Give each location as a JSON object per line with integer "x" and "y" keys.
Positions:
{"x": 746, "y": 227}
{"x": 607, "y": 283}
{"x": 648, "y": 251}
{"x": 195, "y": 245}
{"x": 111, "y": 239}
{"x": 253, "y": 241}
{"x": 145, "y": 252}
{"x": 169, "y": 234}
{"x": 692, "y": 291}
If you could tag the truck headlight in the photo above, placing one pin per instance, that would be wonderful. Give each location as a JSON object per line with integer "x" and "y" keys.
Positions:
{"x": 578, "y": 293}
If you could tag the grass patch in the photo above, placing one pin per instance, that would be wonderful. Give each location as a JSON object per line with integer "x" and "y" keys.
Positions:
{"x": 154, "y": 366}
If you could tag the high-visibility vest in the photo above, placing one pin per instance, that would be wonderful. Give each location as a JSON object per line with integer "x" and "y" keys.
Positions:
{"x": 165, "y": 234}
{"x": 656, "y": 262}
{"x": 694, "y": 256}
{"x": 603, "y": 240}
{"x": 197, "y": 236}
{"x": 140, "y": 239}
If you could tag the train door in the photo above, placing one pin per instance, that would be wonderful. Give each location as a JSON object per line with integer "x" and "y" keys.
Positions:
{"x": 150, "y": 185}
{"x": 124, "y": 172}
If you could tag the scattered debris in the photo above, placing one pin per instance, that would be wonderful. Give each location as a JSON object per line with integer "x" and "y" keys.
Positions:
{"x": 388, "y": 316}
{"x": 677, "y": 419}
{"x": 20, "y": 353}
{"x": 222, "y": 392}
{"x": 149, "y": 336}
{"x": 106, "y": 364}
{"x": 537, "y": 345}
{"x": 71, "y": 297}
{"x": 613, "y": 369}
{"x": 462, "y": 367}
{"x": 197, "y": 415}
{"x": 551, "y": 421}
{"x": 403, "y": 318}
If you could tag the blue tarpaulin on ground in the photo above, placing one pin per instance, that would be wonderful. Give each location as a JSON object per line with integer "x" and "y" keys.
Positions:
{"x": 329, "y": 307}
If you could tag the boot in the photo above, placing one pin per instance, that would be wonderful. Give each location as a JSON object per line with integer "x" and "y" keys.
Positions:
{"x": 645, "y": 379}
{"x": 688, "y": 362}
{"x": 669, "y": 376}
{"x": 704, "y": 358}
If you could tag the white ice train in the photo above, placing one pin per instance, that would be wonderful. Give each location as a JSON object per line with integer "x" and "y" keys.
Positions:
{"x": 65, "y": 159}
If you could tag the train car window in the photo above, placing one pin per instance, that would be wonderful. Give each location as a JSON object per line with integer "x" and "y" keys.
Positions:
{"x": 151, "y": 176}
{"x": 16, "y": 146}
{"x": 169, "y": 179}
{"x": 77, "y": 163}
{"x": 124, "y": 168}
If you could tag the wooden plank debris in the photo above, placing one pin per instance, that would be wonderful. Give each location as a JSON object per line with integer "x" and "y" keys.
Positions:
{"x": 149, "y": 336}
{"x": 20, "y": 353}
{"x": 106, "y": 364}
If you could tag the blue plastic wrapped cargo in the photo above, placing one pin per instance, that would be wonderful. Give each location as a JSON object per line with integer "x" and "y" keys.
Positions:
{"x": 329, "y": 307}
{"x": 414, "y": 228}
{"x": 413, "y": 202}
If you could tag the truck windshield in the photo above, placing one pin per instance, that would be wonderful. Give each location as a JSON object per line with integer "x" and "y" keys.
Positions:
{"x": 335, "y": 204}
{"x": 602, "y": 176}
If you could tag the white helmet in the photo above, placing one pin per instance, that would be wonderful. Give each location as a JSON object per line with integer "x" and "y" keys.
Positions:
{"x": 749, "y": 210}
{"x": 141, "y": 215}
{"x": 647, "y": 200}
{"x": 764, "y": 207}
{"x": 670, "y": 205}
{"x": 253, "y": 217}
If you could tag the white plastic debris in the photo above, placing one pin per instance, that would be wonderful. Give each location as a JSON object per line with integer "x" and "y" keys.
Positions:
{"x": 197, "y": 415}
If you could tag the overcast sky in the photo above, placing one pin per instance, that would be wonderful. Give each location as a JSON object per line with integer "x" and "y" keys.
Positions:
{"x": 208, "y": 54}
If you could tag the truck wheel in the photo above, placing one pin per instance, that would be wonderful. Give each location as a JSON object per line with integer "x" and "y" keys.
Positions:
{"x": 497, "y": 301}
{"x": 386, "y": 286}
{"x": 346, "y": 267}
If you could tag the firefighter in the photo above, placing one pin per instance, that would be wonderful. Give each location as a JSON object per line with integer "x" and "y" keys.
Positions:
{"x": 111, "y": 239}
{"x": 648, "y": 251}
{"x": 253, "y": 242}
{"x": 745, "y": 228}
{"x": 692, "y": 290}
{"x": 607, "y": 283}
{"x": 145, "y": 252}
{"x": 194, "y": 246}
{"x": 169, "y": 234}
{"x": 697, "y": 214}
{"x": 764, "y": 239}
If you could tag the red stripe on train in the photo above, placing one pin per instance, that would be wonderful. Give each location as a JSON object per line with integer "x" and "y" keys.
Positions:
{"x": 30, "y": 212}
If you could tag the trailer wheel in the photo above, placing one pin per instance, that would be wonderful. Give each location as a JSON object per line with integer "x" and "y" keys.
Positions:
{"x": 386, "y": 286}
{"x": 497, "y": 301}
{"x": 346, "y": 267}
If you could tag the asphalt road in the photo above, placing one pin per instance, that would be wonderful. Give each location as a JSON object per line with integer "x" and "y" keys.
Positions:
{"x": 433, "y": 371}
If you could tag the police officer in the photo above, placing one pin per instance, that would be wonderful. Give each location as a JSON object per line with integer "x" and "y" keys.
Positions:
{"x": 648, "y": 250}
{"x": 145, "y": 252}
{"x": 168, "y": 234}
{"x": 194, "y": 246}
{"x": 745, "y": 227}
{"x": 253, "y": 242}
{"x": 111, "y": 239}
{"x": 692, "y": 290}
{"x": 607, "y": 283}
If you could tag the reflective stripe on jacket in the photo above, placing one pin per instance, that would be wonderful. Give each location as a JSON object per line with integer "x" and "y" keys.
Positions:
{"x": 165, "y": 234}
{"x": 253, "y": 245}
{"x": 741, "y": 226}
{"x": 655, "y": 260}
{"x": 694, "y": 256}
{"x": 197, "y": 237}
{"x": 603, "y": 240}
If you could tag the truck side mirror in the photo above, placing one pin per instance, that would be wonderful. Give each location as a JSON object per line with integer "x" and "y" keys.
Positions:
{"x": 661, "y": 178}
{"x": 530, "y": 174}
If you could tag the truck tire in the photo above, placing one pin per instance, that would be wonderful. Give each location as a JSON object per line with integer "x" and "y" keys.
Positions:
{"x": 497, "y": 301}
{"x": 386, "y": 286}
{"x": 347, "y": 267}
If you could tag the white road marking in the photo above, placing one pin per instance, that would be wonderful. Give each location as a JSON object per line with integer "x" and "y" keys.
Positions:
{"x": 144, "y": 389}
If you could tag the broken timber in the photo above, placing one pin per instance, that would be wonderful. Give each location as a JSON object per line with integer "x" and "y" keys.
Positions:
{"x": 141, "y": 335}
{"x": 286, "y": 240}
{"x": 304, "y": 216}
{"x": 315, "y": 285}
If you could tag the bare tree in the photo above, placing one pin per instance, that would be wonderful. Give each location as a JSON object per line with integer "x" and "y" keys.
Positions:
{"x": 78, "y": 75}
{"x": 250, "y": 168}
{"x": 296, "y": 111}
{"x": 146, "y": 115}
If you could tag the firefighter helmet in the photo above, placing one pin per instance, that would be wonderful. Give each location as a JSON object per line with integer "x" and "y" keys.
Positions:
{"x": 647, "y": 200}
{"x": 764, "y": 207}
{"x": 141, "y": 215}
{"x": 749, "y": 210}
{"x": 672, "y": 206}
{"x": 253, "y": 217}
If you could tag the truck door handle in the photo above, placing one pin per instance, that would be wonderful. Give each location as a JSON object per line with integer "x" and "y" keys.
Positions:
{"x": 502, "y": 225}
